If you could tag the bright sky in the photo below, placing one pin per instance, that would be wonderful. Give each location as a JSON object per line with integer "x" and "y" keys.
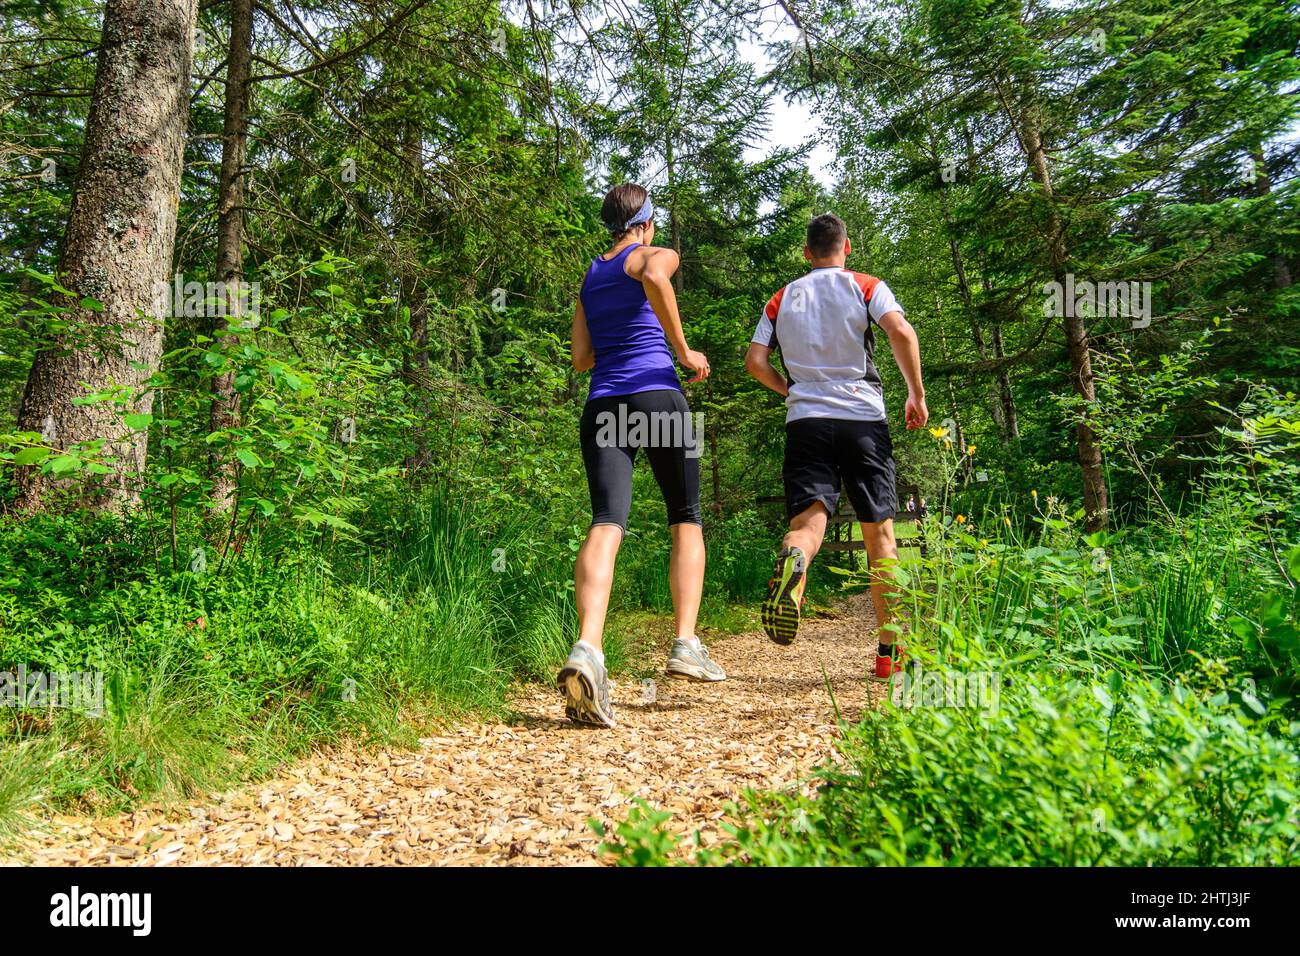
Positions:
{"x": 792, "y": 123}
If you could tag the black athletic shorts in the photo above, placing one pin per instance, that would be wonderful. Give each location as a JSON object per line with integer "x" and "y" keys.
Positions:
{"x": 820, "y": 453}
{"x": 660, "y": 422}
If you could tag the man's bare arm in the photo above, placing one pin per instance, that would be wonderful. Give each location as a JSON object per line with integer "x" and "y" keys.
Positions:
{"x": 758, "y": 363}
{"x": 907, "y": 353}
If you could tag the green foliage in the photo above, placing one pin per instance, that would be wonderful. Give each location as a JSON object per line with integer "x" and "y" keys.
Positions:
{"x": 1065, "y": 773}
{"x": 1137, "y": 704}
{"x": 23, "y": 784}
{"x": 1077, "y": 757}
{"x": 640, "y": 840}
{"x": 220, "y": 672}
{"x": 408, "y": 490}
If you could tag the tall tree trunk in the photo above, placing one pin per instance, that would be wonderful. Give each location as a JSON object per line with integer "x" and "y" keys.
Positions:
{"x": 26, "y": 284}
{"x": 1002, "y": 403}
{"x": 959, "y": 435}
{"x": 415, "y": 360}
{"x": 1095, "y": 499}
{"x": 416, "y": 368}
{"x": 1010, "y": 420}
{"x": 224, "y": 413}
{"x": 117, "y": 249}
{"x": 977, "y": 334}
{"x": 715, "y": 460}
{"x": 679, "y": 280}
{"x": 1263, "y": 187}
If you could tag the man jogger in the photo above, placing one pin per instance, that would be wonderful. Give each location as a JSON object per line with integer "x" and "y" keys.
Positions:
{"x": 824, "y": 324}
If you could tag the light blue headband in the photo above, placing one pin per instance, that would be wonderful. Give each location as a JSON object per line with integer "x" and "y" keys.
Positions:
{"x": 643, "y": 215}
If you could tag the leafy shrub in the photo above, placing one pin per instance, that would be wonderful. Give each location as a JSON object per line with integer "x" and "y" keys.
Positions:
{"x": 1064, "y": 773}
{"x": 221, "y": 673}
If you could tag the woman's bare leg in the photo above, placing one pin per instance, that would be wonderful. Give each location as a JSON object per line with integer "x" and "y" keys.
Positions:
{"x": 593, "y": 577}
{"x": 686, "y": 576}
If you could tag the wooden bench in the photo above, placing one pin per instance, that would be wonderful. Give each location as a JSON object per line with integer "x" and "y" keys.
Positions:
{"x": 839, "y": 531}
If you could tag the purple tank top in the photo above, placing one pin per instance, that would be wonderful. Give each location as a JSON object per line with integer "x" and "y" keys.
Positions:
{"x": 631, "y": 352}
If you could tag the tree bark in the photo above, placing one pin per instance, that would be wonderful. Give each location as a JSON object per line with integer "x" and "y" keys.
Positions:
{"x": 1095, "y": 498}
{"x": 715, "y": 460}
{"x": 26, "y": 285}
{"x": 958, "y": 436}
{"x": 1010, "y": 420}
{"x": 415, "y": 360}
{"x": 679, "y": 279}
{"x": 1263, "y": 187}
{"x": 1002, "y": 402}
{"x": 977, "y": 334}
{"x": 117, "y": 249}
{"x": 224, "y": 413}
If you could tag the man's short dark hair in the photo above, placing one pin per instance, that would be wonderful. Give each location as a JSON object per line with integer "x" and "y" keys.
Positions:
{"x": 826, "y": 235}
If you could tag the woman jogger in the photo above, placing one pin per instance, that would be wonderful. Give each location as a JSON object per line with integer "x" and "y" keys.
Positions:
{"x": 623, "y": 323}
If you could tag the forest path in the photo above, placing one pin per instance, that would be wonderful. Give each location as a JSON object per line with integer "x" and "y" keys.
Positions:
{"x": 521, "y": 793}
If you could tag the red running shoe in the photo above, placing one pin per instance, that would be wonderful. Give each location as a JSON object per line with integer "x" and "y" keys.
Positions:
{"x": 887, "y": 665}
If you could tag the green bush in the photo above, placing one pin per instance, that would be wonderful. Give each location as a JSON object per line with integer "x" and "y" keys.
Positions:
{"x": 1146, "y": 711}
{"x": 1063, "y": 773}
{"x": 219, "y": 674}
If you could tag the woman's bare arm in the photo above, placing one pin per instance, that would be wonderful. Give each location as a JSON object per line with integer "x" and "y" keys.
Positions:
{"x": 655, "y": 268}
{"x": 584, "y": 356}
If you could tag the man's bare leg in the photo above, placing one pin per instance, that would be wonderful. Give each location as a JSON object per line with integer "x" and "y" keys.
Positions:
{"x": 808, "y": 530}
{"x": 782, "y": 607}
{"x": 878, "y": 536}
{"x": 882, "y": 550}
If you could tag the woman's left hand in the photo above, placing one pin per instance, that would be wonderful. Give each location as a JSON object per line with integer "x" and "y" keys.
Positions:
{"x": 697, "y": 363}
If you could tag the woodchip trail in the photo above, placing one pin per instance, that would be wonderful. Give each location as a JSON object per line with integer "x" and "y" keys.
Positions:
{"x": 519, "y": 793}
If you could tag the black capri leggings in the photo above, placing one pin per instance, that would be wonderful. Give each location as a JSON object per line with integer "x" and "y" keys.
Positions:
{"x": 612, "y": 430}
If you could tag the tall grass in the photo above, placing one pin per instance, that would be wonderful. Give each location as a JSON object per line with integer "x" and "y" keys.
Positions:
{"x": 24, "y": 768}
{"x": 214, "y": 678}
{"x": 1146, "y": 711}
{"x": 1177, "y": 608}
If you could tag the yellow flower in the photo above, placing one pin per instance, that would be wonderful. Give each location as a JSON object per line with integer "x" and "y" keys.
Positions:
{"x": 939, "y": 432}
{"x": 1034, "y": 492}
{"x": 1008, "y": 522}
{"x": 970, "y": 449}
{"x": 984, "y": 542}
{"x": 961, "y": 519}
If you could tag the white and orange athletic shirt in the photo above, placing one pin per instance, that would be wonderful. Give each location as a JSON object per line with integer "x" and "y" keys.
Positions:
{"x": 823, "y": 323}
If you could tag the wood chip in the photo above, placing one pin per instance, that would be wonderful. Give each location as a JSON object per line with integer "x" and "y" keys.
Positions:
{"x": 521, "y": 793}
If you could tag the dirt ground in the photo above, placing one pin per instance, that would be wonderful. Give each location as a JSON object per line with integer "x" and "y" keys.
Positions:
{"x": 520, "y": 793}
